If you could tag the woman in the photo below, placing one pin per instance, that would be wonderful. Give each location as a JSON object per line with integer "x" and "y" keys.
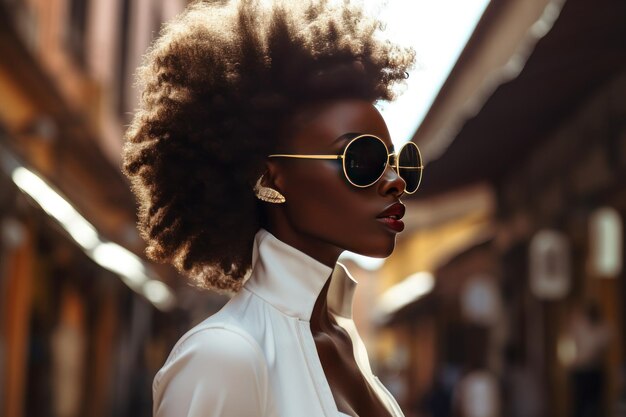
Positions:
{"x": 257, "y": 156}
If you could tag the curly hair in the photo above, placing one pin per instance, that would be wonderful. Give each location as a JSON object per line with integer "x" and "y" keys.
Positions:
{"x": 218, "y": 86}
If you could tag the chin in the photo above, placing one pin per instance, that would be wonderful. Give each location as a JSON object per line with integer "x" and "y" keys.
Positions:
{"x": 383, "y": 249}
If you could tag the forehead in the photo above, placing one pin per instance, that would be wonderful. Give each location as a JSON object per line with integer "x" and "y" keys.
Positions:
{"x": 317, "y": 127}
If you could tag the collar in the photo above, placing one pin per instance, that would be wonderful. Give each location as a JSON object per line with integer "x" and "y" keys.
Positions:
{"x": 291, "y": 280}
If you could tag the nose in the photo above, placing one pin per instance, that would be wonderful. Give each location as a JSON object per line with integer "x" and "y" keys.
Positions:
{"x": 391, "y": 183}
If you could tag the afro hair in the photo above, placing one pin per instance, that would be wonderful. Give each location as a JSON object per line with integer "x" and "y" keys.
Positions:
{"x": 218, "y": 86}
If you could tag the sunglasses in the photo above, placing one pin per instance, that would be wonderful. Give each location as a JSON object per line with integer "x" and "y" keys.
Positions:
{"x": 366, "y": 157}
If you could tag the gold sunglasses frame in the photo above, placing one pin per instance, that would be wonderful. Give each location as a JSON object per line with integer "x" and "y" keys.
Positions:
{"x": 342, "y": 156}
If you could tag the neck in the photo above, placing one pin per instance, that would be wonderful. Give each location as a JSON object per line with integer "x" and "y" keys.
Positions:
{"x": 317, "y": 249}
{"x": 321, "y": 317}
{"x": 322, "y": 252}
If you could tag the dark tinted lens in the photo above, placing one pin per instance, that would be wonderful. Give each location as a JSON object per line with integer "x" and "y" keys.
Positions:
{"x": 365, "y": 161}
{"x": 409, "y": 163}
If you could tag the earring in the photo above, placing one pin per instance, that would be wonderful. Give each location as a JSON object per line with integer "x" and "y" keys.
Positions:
{"x": 267, "y": 194}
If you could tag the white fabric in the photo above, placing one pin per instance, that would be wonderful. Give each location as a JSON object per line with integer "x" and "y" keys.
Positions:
{"x": 257, "y": 355}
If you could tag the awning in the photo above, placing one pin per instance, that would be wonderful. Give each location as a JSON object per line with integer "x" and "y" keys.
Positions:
{"x": 585, "y": 49}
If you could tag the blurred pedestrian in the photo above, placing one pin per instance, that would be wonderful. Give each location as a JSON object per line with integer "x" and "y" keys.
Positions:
{"x": 522, "y": 396}
{"x": 439, "y": 399}
{"x": 591, "y": 336}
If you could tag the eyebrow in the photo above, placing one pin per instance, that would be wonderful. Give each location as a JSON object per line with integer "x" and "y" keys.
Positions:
{"x": 346, "y": 136}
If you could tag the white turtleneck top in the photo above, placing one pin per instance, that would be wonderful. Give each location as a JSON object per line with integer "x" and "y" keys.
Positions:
{"x": 257, "y": 355}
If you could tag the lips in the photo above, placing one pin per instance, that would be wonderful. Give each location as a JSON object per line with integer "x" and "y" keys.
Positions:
{"x": 394, "y": 211}
{"x": 391, "y": 217}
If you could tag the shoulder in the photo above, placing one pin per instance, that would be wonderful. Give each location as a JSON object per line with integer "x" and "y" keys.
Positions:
{"x": 213, "y": 363}
{"x": 219, "y": 338}
{"x": 219, "y": 346}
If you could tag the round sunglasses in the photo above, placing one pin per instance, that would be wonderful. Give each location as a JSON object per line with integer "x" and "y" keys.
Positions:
{"x": 366, "y": 157}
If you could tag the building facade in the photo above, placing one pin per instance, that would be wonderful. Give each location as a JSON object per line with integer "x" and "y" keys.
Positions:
{"x": 85, "y": 322}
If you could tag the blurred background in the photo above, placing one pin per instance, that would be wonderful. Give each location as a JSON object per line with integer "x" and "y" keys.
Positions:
{"x": 504, "y": 296}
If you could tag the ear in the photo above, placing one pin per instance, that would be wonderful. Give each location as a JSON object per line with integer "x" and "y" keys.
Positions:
{"x": 274, "y": 176}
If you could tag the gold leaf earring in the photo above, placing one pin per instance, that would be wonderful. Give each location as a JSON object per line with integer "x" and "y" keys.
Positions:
{"x": 267, "y": 194}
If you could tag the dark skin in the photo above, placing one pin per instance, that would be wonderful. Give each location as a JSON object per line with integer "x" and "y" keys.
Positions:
{"x": 325, "y": 215}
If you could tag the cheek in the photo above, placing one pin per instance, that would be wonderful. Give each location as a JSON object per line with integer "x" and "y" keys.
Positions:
{"x": 321, "y": 198}
{"x": 322, "y": 204}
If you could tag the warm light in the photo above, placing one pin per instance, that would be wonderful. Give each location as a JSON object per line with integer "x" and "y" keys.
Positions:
{"x": 121, "y": 261}
{"x": 546, "y": 21}
{"x": 480, "y": 300}
{"x": 405, "y": 292}
{"x": 111, "y": 256}
{"x": 159, "y": 294}
{"x": 82, "y": 232}
{"x": 12, "y": 232}
{"x": 605, "y": 230}
{"x": 550, "y": 261}
{"x": 56, "y": 206}
{"x": 566, "y": 350}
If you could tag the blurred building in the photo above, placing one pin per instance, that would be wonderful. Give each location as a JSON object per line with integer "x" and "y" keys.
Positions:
{"x": 533, "y": 118}
{"x": 84, "y": 321}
